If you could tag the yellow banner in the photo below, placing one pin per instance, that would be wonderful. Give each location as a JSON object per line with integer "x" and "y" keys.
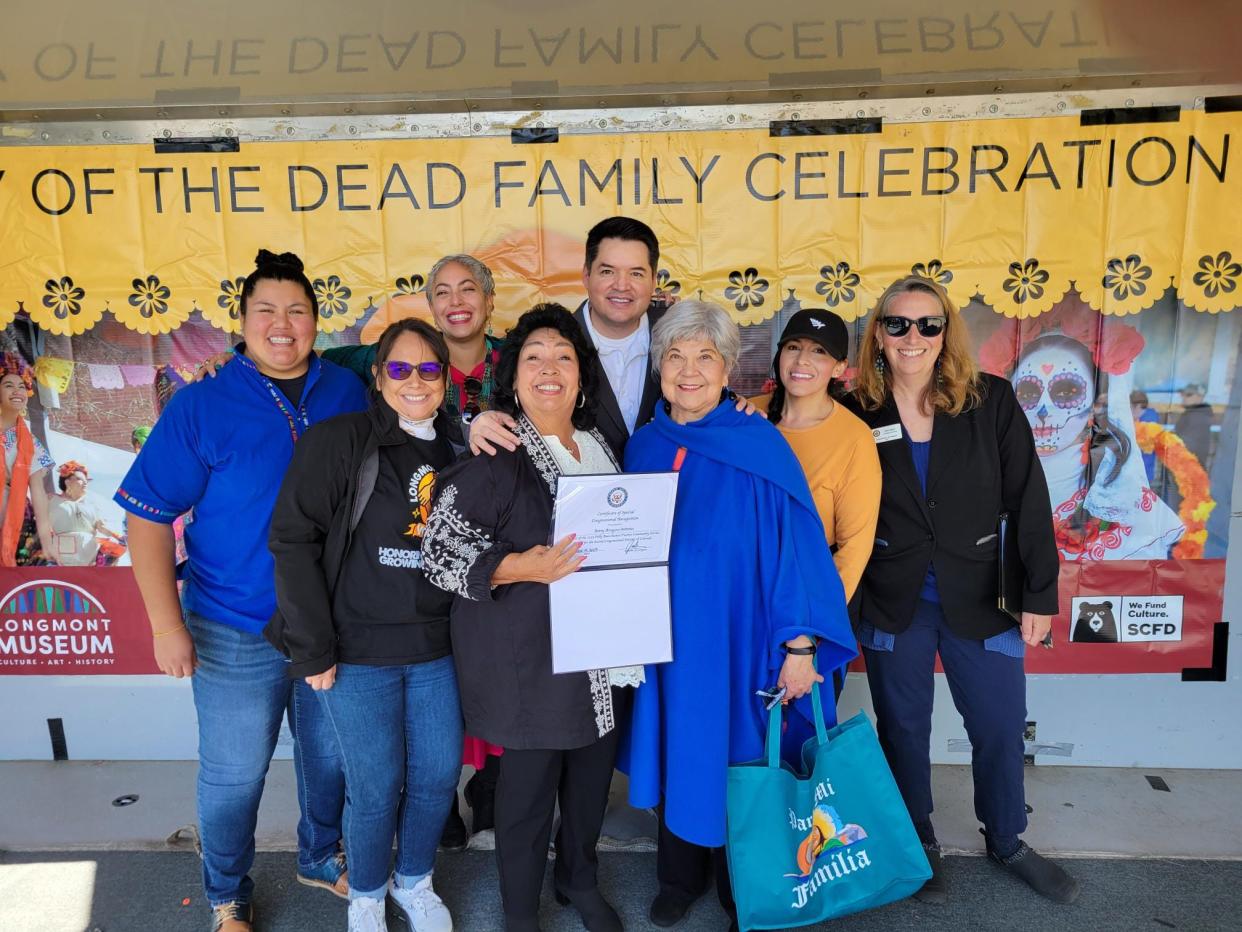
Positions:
{"x": 1013, "y": 210}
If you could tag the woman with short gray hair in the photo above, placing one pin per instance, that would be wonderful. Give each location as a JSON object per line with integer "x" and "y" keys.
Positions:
{"x": 754, "y": 592}
{"x": 689, "y": 319}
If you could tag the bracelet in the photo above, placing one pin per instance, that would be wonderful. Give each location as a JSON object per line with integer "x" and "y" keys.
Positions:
{"x": 160, "y": 634}
{"x": 799, "y": 651}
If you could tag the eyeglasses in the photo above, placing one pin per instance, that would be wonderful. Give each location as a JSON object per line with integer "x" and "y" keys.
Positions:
{"x": 896, "y": 326}
{"x": 427, "y": 371}
{"x": 473, "y": 388}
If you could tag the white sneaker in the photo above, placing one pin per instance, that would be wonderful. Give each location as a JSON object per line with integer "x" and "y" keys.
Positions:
{"x": 423, "y": 910}
{"x": 367, "y": 915}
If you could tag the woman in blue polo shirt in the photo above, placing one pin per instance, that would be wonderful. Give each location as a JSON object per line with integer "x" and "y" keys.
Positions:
{"x": 221, "y": 448}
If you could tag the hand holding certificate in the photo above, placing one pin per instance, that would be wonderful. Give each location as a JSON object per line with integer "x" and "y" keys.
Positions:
{"x": 614, "y": 611}
{"x": 620, "y": 520}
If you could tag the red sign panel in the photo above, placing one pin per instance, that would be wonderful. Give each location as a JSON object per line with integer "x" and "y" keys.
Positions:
{"x": 72, "y": 620}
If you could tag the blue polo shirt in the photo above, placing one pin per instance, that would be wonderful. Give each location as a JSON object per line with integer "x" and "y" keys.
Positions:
{"x": 221, "y": 447}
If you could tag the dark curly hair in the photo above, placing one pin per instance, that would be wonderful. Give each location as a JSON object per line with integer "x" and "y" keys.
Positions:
{"x": 554, "y": 317}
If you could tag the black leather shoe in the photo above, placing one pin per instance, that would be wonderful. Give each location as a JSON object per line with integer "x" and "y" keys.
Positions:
{"x": 454, "y": 837}
{"x": 1041, "y": 875}
{"x": 936, "y": 890}
{"x": 596, "y": 912}
{"x": 667, "y": 910}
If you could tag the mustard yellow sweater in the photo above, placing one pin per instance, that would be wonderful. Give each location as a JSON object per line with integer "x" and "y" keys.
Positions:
{"x": 842, "y": 468}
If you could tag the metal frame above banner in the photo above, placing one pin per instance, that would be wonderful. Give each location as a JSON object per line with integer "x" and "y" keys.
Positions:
{"x": 351, "y": 121}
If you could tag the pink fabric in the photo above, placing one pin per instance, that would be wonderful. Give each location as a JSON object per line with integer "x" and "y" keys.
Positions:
{"x": 475, "y": 752}
{"x": 139, "y": 375}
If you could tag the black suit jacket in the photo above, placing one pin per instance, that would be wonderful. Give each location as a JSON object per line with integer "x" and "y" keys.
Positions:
{"x": 982, "y": 463}
{"x": 607, "y": 412}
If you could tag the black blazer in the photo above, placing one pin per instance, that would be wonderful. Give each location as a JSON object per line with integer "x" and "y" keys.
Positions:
{"x": 982, "y": 463}
{"x": 608, "y": 413}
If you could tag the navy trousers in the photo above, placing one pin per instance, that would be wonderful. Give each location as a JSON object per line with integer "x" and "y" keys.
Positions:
{"x": 989, "y": 691}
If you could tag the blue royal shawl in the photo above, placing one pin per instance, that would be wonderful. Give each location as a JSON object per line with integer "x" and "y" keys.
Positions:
{"x": 750, "y": 569}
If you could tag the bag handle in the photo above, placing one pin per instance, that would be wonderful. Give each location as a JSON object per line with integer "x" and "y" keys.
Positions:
{"x": 774, "y": 727}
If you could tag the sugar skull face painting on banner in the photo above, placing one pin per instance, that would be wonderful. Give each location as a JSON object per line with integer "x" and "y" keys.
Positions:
{"x": 1096, "y": 268}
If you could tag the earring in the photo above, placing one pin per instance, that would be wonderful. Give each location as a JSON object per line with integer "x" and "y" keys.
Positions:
{"x": 879, "y": 362}
{"x": 939, "y": 374}
{"x": 581, "y": 399}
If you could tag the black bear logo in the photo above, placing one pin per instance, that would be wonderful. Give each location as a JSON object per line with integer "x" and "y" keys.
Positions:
{"x": 1095, "y": 623}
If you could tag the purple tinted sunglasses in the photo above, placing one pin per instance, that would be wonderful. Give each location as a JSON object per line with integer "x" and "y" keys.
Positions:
{"x": 400, "y": 371}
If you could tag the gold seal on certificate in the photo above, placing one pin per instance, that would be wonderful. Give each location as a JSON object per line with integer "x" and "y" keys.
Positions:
{"x": 614, "y": 611}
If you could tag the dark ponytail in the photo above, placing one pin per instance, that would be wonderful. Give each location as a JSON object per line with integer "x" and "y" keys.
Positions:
{"x": 285, "y": 267}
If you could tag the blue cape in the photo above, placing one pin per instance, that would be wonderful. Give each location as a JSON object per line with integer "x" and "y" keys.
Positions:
{"x": 750, "y": 569}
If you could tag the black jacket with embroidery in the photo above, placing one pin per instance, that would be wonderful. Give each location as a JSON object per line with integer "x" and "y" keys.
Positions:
{"x": 485, "y": 509}
{"x": 322, "y": 498}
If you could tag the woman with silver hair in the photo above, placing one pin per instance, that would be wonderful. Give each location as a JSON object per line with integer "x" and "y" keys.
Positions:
{"x": 754, "y": 592}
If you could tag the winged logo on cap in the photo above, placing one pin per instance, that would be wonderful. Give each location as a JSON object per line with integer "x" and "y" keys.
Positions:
{"x": 817, "y": 324}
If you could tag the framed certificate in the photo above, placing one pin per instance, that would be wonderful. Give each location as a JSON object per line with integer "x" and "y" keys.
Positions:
{"x": 614, "y": 611}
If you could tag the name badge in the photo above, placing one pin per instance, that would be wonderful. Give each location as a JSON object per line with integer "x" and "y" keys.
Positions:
{"x": 886, "y": 433}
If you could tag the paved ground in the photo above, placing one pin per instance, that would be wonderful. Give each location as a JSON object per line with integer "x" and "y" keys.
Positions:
{"x": 138, "y": 891}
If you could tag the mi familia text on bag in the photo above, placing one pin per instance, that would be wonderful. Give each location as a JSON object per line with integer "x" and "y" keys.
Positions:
{"x": 827, "y": 847}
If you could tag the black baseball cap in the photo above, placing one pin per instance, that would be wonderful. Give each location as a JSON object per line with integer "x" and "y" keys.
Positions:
{"x": 824, "y": 327}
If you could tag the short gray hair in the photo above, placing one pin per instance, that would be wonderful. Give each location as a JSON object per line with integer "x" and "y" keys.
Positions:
{"x": 482, "y": 274}
{"x": 689, "y": 319}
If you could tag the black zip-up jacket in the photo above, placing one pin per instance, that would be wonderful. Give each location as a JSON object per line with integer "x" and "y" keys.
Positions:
{"x": 322, "y": 498}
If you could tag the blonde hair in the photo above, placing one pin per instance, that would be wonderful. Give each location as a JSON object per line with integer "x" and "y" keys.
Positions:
{"x": 955, "y": 386}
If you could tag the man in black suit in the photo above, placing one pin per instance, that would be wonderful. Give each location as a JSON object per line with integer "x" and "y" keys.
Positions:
{"x": 620, "y": 280}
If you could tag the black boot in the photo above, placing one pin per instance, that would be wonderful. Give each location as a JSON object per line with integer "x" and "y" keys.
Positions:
{"x": 454, "y": 836}
{"x": 936, "y": 890}
{"x": 596, "y": 912}
{"x": 1041, "y": 875}
{"x": 480, "y": 796}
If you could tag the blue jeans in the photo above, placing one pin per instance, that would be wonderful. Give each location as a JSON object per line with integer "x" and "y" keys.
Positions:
{"x": 241, "y": 691}
{"x": 398, "y": 727}
{"x": 989, "y": 690}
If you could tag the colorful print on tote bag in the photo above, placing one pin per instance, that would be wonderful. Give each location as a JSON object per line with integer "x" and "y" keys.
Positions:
{"x": 832, "y": 840}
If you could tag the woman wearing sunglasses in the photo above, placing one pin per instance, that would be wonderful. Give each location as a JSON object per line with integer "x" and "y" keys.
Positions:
{"x": 956, "y": 453}
{"x": 359, "y": 621}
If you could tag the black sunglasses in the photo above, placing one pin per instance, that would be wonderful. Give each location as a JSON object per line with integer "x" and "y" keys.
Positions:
{"x": 400, "y": 371}
{"x": 473, "y": 388}
{"x": 900, "y": 326}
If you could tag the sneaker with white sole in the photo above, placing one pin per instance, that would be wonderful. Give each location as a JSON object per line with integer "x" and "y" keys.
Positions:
{"x": 366, "y": 914}
{"x": 422, "y": 910}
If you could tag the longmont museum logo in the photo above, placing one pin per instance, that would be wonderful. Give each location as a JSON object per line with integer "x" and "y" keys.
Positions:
{"x": 49, "y": 623}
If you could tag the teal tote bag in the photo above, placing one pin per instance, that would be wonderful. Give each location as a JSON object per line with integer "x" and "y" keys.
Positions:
{"x": 832, "y": 840}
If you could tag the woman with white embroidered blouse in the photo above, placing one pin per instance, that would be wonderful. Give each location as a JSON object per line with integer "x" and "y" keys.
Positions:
{"x": 487, "y": 542}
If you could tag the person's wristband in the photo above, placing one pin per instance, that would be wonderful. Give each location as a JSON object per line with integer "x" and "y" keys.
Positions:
{"x": 160, "y": 634}
{"x": 799, "y": 651}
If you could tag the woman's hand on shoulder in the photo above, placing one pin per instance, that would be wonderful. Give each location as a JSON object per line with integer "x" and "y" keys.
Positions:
{"x": 211, "y": 365}
{"x": 744, "y": 405}
{"x": 492, "y": 429}
{"x": 322, "y": 681}
{"x": 540, "y": 564}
